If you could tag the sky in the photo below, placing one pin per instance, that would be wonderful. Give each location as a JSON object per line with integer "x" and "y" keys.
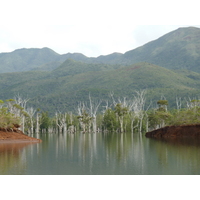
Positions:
{"x": 91, "y": 27}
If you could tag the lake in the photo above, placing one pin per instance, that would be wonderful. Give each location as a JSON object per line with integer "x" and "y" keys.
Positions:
{"x": 100, "y": 154}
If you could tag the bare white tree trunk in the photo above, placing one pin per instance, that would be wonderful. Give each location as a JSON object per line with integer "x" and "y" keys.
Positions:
{"x": 61, "y": 122}
{"x": 147, "y": 122}
{"x": 80, "y": 109}
{"x": 71, "y": 128}
{"x": 37, "y": 123}
{"x": 178, "y": 103}
{"x": 123, "y": 104}
{"x": 21, "y": 102}
{"x": 121, "y": 124}
{"x": 93, "y": 113}
{"x": 31, "y": 113}
{"x": 64, "y": 123}
{"x": 22, "y": 124}
{"x": 136, "y": 108}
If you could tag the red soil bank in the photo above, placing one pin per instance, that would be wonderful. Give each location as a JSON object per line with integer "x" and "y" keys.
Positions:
{"x": 15, "y": 136}
{"x": 176, "y": 131}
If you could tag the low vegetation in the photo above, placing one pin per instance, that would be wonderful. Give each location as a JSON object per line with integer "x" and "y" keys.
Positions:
{"x": 8, "y": 120}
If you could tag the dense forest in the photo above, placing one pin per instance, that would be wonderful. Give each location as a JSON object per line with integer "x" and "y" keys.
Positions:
{"x": 117, "y": 115}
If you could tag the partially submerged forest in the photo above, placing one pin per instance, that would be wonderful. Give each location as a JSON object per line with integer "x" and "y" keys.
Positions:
{"x": 114, "y": 115}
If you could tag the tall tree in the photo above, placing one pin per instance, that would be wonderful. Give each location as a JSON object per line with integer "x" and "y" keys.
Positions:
{"x": 93, "y": 109}
{"x": 61, "y": 122}
{"x": 121, "y": 112}
{"x": 31, "y": 112}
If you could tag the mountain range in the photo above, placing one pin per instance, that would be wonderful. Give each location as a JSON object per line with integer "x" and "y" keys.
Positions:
{"x": 168, "y": 66}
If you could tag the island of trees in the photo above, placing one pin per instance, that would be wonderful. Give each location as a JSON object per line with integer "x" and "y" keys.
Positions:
{"x": 117, "y": 115}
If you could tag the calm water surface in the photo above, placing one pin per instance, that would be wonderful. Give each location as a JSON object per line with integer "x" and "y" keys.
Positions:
{"x": 101, "y": 154}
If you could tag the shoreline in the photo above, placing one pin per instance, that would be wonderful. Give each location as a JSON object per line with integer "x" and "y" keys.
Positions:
{"x": 2, "y": 141}
{"x": 16, "y": 136}
{"x": 181, "y": 131}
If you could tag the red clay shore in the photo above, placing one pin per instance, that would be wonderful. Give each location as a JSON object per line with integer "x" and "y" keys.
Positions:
{"x": 15, "y": 136}
{"x": 191, "y": 131}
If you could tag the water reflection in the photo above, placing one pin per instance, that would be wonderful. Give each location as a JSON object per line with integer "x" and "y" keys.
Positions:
{"x": 185, "y": 141}
{"x": 106, "y": 154}
{"x": 177, "y": 155}
{"x": 12, "y": 157}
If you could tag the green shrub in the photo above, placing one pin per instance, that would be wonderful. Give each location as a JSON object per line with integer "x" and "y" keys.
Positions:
{"x": 7, "y": 119}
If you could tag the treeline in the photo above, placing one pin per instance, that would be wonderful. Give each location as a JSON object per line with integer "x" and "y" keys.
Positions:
{"x": 116, "y": 115}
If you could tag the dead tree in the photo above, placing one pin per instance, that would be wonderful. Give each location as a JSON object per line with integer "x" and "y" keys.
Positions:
{"x": 93, "y": 109}
{"x": 121, "y": 109}
{"x": 137, "y": 110}
{"x": 31, "y": 112}
{"x": 84, "y": 117}
{"x": 61, "y": 122}
{"x": 22, "y": 102}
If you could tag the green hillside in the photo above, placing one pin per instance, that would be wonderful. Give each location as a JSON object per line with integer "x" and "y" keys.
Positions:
{"x": 176, "y": 50}
{"x": 35, "y": 59}
{"x": 72, "y": 67}
{"x": 26, "y": 59}
{"x": 60, "y": 89}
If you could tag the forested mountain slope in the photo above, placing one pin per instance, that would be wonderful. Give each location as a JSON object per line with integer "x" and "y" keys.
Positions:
{"x": 179, "y": 49}
{"x": 35, "y": 59}
{"x": 72, "y": 67}
{"x": 60, "y": 89}
{"x": 26, "y": 59}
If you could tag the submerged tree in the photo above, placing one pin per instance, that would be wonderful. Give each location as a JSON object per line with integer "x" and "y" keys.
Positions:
{"x": 22, "y": 104}
{"x": 119, "y": 115}
{"x": 61, "y": 122}
{"x": 109, "y": 121}
{"x": 46, "y": 123}
{"x": 31, "y": 112}
{"x": 121, "y": 112}
{"x": 160, "y": 117}
{"x": 85, "y": 121}
{"x": 137, "y": 112}
{"x": 71, "y": 122}
{"x": 93, "y": 109}
{"x": 87, "y": 115}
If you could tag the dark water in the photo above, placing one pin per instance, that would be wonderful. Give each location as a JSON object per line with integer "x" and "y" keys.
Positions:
{"x": 101, "y": 154}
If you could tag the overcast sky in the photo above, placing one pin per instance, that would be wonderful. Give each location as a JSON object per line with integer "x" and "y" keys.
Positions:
{"x": 91, "y": 27}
